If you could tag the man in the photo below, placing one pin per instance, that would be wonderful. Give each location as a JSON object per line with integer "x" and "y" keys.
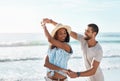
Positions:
{"x": 92, "y": 53}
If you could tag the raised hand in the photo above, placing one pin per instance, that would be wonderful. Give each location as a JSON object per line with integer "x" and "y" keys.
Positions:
{"x": 50, "y": 21}
{"x": 46, "y": 20}
{"x": 43, "y": 24}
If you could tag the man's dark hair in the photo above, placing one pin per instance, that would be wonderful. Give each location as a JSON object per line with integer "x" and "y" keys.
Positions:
{"x": 94, "y": 28}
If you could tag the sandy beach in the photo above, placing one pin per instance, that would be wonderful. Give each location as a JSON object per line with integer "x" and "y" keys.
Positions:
{"x": 34, "y": 71}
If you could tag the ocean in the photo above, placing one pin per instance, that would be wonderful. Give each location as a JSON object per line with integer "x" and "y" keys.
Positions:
{"x": 22, "y": 56}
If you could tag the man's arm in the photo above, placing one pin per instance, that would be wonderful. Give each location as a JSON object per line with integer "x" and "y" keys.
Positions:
{"x": 73, "y": 35}
{"x": 89, "y": 72}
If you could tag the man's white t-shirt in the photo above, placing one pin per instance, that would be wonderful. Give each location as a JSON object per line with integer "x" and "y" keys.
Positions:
{"x": 90, "y": 54}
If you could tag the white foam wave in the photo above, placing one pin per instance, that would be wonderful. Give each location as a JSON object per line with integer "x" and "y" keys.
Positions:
{"x": 21, "y": 43}
{"x": 19, "y": 59}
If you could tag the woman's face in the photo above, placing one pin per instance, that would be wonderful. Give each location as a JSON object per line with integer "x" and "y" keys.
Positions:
{"x": 61, "y": 34}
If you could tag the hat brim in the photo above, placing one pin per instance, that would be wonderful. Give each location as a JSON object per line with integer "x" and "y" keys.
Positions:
{"x": 59, "y": 26}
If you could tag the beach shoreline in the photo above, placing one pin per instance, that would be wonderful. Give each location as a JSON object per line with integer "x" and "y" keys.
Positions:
{"x": 33, "y": 70}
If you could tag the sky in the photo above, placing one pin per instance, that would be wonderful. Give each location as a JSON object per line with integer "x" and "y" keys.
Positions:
{"x": 24, "y": 16}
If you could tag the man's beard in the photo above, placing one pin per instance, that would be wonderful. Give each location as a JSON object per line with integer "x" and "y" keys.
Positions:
{"x": 87, "y": 38}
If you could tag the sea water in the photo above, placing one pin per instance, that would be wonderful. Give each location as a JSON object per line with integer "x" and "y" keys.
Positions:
{"x": 22, "y": 56}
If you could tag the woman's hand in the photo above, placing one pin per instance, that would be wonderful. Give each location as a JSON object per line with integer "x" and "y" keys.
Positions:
{"x": 43, "y": 24}
{"x": 46, "y": 20}
{"x": 50, "y": 21}
{"x": 65, "y": 71}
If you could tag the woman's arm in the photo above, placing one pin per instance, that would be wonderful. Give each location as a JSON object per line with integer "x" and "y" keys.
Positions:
{"x": 72, "y": 34}
{"x": 50, "y": 21}
{"x": 51, "y": 66}
{"x": 55, "y": 42}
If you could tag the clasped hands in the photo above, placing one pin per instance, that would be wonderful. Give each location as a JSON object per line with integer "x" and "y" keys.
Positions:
{"x": 44, "y": 21}
{"x": 70, "y": 73}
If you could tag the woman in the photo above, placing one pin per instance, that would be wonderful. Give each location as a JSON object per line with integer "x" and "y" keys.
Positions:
{"x": 59, "y": 51}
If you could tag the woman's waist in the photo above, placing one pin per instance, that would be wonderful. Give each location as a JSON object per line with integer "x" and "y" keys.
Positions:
{"x": 56, "y": 75}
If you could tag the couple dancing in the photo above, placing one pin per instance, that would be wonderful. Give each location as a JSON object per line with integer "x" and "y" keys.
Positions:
{"x": 60, "y": 51}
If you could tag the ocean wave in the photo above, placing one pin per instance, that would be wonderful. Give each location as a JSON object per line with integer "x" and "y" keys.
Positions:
{"x": 29, "y": 39}
{"x": 19, "y": 79}
{"x": 21, "y": 43}
{"x": 109, "y": 41}
{"x": 109, "y": 34}
{"x": 44, "y": 42}
{"x": 36, "y": 58}
{"x": 101, "y": 41}
{"x": 112, "y": 56}
{"x": 19, "y": 59}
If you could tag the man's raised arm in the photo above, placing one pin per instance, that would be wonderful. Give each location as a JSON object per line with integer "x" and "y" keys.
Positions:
{"x": 73, "y": 35}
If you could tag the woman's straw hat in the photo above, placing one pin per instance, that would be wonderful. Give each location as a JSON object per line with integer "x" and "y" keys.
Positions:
{"x": 59, "y": 26}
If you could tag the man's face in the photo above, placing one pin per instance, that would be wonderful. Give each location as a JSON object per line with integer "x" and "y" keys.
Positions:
{"x": 88, "y": 33}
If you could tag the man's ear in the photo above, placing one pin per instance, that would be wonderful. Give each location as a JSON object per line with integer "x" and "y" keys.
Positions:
{"x": 94, "y": 33}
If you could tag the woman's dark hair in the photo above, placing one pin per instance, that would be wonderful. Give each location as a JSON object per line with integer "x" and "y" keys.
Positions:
{"x": 67, "y": 39}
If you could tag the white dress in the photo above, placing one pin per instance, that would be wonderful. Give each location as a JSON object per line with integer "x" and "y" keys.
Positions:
{"x": 91, "y": 54}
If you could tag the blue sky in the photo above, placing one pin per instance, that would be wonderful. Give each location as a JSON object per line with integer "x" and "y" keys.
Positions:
{"x": 24, "y": 16}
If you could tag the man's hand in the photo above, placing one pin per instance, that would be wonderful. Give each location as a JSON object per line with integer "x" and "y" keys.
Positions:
{"x": 72, "y": 74}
